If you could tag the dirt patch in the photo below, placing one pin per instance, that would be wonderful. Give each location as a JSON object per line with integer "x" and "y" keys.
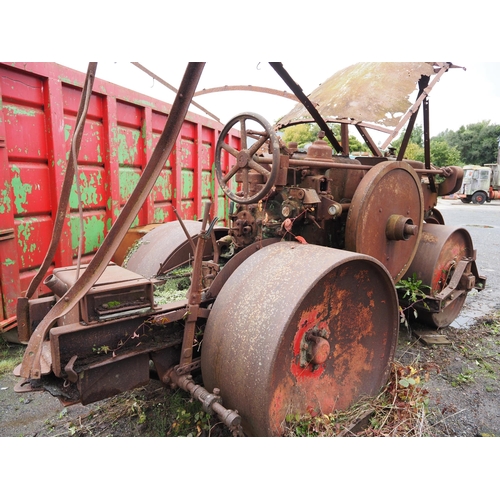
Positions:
{"x": 464, "y": 382}
{"x": 463, "y": 388}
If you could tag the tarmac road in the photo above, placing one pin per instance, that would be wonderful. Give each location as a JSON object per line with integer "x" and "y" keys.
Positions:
{"x": 483, "y": 224}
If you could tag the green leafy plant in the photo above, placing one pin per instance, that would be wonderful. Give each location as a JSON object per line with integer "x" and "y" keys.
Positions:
{"x": 411, "y": 291}
{"x": 103, "y": 349}
{"x": 191, "y": 421}
{"x": 466, "y": 377}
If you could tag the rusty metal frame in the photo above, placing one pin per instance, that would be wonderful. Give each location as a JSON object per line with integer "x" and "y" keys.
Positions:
{"x": 360, "y": 124}
{"x": 31, "y": 364}
{"x": 444, "y": 67}
{"x": 249, "y": 88}
{"x": 173, "y": 89}
{"x": 296, "y": 89}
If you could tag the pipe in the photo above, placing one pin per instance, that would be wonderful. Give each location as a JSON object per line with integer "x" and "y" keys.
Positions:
{"x": 55, "y": 285}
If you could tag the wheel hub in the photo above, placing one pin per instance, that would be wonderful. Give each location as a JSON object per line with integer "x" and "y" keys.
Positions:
{"x": 314, "y": 348}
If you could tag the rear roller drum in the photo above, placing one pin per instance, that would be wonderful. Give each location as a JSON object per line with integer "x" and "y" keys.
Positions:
{"x": 298, "y": 329}
{"x": 166, "y": 247}
{"x": 440, "y": 250}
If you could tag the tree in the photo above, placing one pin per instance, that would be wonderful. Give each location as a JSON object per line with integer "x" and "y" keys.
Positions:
{"x": 477, "y": 143}
{"x": 416, "y": 137}
{"x": 306, "y": 133}
{"x": 414, "y": 152}
{"x": 302, "y": 134}
{"x": 442, "y": 154}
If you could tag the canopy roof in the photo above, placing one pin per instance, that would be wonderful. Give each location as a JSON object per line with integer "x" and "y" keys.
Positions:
{"x": 368, "y": 92}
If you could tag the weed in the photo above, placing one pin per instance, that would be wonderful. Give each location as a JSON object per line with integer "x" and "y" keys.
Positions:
{"x": 411, "y": 291}
{"x": 104, "y": 349}
{"x": 189, "y": 418}
{"x": 399, "y": 410}
{"x": 466, "y": 377}
{"x": 10, "y": 356}
{"x": 175, "y": 286}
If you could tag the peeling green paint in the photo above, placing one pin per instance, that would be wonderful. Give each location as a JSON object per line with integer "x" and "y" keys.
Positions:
{"x": 24, "y": 233}
{"x": 5, "y": 205}
{"x": 20, "y": 190}
{"x": 206, "y": 185}
{"x": 93, "y": 229}
{"x": 187, "y": 183}
{"x": 19, "y": 111}
{"x": 163, "y": 186}
{"x": 9, "y": 262}
{"x": 88, "y": 190}
{"x": 126, "y": 152}
{"x": 142, "y": 102}
{"x": 213, "y": 177}
{"x": 160, "y": 215}
{"x": 128, "y": 180}
{"x": 67, "y": 131}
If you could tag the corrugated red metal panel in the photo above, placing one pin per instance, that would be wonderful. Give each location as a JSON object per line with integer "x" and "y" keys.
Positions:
{"x": 38, "y": 108}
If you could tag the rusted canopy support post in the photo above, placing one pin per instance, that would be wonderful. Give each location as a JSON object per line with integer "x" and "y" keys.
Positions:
{"x": 368, "y": 140}
{"x": 278, "y": 67}
{"x": 427, "y": 144}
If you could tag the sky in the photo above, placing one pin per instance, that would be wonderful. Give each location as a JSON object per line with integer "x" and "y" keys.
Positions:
{"x": 461, "y": 97}
{"x": 313, "y": 42}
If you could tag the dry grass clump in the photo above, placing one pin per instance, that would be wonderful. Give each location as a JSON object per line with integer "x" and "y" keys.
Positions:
{"x": 399, "y": 410}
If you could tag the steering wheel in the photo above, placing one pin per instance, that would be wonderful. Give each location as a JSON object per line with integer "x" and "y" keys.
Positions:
{"x": 245, "y": 159}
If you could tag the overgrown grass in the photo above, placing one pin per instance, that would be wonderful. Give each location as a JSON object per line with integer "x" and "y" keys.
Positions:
{"x": 148, "y": 412}
{"x": 10, "y": 356}
{"x": 175, "y": 286}
{"x": 399, "y": 410}
{"x": 481, "y": 349}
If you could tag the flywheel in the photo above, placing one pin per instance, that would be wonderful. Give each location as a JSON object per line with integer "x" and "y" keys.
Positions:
{"x": 299, "y": 329}
{"x": 386, "y": 215}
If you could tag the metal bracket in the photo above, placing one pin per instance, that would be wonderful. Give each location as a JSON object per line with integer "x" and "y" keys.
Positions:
{"x": 184, "y": 369}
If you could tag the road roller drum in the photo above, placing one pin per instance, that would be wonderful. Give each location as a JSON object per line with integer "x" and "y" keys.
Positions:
{"x": 297, "y": 329}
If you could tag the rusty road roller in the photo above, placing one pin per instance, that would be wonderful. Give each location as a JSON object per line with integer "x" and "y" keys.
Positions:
{"x": 291, "y": 309}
